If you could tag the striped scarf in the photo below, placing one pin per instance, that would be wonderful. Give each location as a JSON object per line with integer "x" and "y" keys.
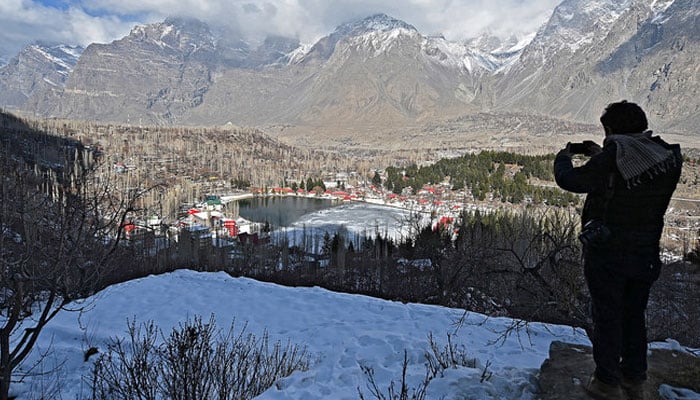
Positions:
{"x": 638, "y": 154}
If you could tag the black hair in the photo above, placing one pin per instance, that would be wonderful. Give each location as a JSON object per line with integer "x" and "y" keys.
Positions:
{"x": 624, "y": 117}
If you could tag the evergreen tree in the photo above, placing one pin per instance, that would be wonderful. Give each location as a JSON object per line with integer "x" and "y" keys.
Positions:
{"x": 309, "y": 184}
{"x": 376, "y": 179}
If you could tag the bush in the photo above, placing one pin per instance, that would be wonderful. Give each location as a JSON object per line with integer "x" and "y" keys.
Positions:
{"x": 438, "y": 360}
{"x": 194, "y": 362}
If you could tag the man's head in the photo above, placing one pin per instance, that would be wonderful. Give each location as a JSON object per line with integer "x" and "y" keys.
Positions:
{"x": 623, "y": 117}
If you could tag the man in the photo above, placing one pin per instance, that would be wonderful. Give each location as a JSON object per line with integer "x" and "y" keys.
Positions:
{"x": 629, "y": 183}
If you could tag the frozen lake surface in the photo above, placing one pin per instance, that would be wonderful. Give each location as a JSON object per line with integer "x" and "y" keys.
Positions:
{"x": 355, "y": 220}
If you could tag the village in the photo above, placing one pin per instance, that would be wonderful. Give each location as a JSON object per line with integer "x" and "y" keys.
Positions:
{"x": 215, "y": 221}
{"x": 213, "y": 231}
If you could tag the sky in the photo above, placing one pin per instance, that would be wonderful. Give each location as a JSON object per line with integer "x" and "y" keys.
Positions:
{"x": 87, "y": 21}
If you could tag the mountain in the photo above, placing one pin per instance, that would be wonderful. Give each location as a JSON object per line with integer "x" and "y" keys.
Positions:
{"x": 155, "y": 73}
{"x": 591, "y": 53}
{"x": 375, "y": 24}
{"x": 380, "y": 77}
{"x": 38, "y": 69}
{"x": 380, "y": 71}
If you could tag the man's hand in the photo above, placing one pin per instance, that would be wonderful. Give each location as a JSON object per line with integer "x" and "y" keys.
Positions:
{"x": 587, "y": 147}
{"x": 566, "y": 151}
{"x": 592, "y": 148}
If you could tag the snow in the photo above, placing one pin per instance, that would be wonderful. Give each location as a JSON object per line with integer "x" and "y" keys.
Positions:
{"x": 380, "y": 42}
{"x": 58, "y": 61}
{"x": 378, "y": 34}
{"x": 167, "y": 29}
{"x": 50, "y": 82}
{"x": 73, "y": 51}
{"x": 670, "y": 392}
{"x": 570, "y": 25}
{"x": 297, "y": 55}
{"x": 452, "y": 54}
{"x": 520, "y": 45}
{"x": 660, "y": 8}
{"x": 355, "y": 218}
{"x": 342, "y": 332}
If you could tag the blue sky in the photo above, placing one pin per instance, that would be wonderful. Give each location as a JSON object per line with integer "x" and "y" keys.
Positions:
{"x": 60, "y": 4}
{"x": 87, "y": 21}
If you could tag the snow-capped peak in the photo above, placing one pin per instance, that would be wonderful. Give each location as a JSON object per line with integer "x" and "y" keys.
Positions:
{"x": 371, "y": 31}
{"x": 379, "y": 33}
{"x": 176, "y": 33}
{"x": 373, "y": 23}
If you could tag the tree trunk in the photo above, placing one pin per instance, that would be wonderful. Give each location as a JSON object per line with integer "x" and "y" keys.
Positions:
{"x": 5, "y": 370}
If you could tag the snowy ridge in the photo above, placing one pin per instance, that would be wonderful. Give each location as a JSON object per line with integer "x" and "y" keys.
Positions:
{"x": 458, "y": 55}
{"x": 381, "y": 41}
{"x": 56, "y": 60}
{"x": 378, "y": 34}
{"x": 373, "y": 23}
{"x": 175, "y": 33}
{"x": 570, "y": 25}
{"x": 659, "y": 8}
{"x": 63, "y": 55}
{"x": 470, "y": 55}
{"x": 298, "y": 54}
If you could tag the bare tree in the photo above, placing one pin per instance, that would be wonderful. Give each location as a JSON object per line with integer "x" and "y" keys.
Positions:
{"x": 59, "y": 225}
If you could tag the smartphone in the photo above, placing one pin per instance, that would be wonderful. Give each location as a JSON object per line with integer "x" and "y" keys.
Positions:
{"x": 578, "y": 148}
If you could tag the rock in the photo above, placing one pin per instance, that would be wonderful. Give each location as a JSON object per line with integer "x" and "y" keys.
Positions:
{"x": 570, "y": 365}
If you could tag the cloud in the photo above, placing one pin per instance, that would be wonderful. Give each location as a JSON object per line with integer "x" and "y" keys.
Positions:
{"x": 309, "y": 19}
{"x": 250, "y": 8}
{"x": 85, "y": 21}
{"x": 23, "y": 22}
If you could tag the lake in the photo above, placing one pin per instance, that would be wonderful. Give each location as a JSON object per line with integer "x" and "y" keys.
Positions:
{"x": 296, "y": 217}
{"x": 281, "y": 211}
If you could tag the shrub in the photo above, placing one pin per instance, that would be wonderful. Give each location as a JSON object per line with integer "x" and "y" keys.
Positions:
{"x": 438, "y": 360}
{"x": 194, "y": 362}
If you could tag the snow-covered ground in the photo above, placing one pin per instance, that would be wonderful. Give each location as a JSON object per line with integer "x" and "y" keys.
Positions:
{"x": 341, "y": 331}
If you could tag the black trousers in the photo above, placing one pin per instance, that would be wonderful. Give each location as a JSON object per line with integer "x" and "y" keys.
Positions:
{"x": 619, "y": 280}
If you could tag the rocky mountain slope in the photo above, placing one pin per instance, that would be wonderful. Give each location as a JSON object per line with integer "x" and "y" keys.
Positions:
{"x": 381, "y": 78}
{"x": 593, "y": 52}
{"x": 38, "y": 70}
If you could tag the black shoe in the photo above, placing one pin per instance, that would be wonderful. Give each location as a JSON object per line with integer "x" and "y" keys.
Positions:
{"x": 603, "y": 391}
{"x": 633, "y": 389}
